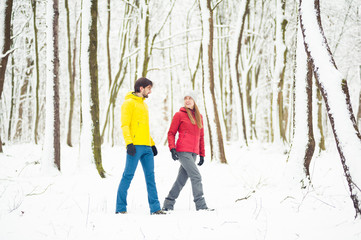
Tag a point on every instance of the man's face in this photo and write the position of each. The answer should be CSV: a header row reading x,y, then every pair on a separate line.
x,y
146,91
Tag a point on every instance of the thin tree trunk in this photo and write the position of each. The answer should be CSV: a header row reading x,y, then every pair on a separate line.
x,y
303,143
336,96
21,105
6,41
235,72
278,81
52,132
108,45
321,143
12,102
93,66
5,46
37,72
71,76
216,139
91,140
359,106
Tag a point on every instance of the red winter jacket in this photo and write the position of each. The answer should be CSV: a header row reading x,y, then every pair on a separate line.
x,y
190,138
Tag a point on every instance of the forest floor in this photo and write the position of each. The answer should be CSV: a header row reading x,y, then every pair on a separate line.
x,y
246,193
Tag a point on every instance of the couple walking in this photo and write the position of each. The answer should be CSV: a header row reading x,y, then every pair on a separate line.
x,y
187,122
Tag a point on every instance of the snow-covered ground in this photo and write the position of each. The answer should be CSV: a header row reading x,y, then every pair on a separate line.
x,y
80,205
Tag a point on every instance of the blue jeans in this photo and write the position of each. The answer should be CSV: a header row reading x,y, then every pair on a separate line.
x,y
145,155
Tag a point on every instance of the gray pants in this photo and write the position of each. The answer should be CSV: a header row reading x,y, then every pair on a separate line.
x,y
187,169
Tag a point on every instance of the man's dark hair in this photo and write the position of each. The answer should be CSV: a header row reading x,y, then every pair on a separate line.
x,y
142,82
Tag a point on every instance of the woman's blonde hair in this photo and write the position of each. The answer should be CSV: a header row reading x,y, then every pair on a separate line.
x,y
197,114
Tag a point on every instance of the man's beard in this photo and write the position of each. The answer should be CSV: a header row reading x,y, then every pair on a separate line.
x,y
145,96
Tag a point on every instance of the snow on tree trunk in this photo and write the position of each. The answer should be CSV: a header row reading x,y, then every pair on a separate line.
x,y
5,22
90,152
143,39
336,96
277,84
236,46
214,126
52,120
303,143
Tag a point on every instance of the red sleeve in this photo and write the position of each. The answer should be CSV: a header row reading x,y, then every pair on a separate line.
x,y
201,142
173,130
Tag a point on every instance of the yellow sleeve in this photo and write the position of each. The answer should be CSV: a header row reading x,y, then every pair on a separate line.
x,y
126,119
152,143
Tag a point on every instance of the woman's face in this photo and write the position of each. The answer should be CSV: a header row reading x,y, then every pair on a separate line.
x,y
188,102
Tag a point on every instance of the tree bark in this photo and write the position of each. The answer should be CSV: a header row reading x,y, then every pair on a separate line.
x,y
215,134
278,81
359,106
237,44
71,76
91,140
52,132
5,46
335,93
321,143
303,143
37,72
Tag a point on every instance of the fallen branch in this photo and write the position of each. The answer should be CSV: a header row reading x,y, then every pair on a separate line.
x,y
248,196
32,194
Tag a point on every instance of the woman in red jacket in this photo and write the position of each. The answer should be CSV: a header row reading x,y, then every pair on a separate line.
x,y
188,122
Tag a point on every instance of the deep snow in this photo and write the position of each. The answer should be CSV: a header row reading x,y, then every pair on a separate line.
x,y
78,204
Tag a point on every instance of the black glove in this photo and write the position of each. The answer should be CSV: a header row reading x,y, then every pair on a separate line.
x,y
154,149
174,154
131,149
201,161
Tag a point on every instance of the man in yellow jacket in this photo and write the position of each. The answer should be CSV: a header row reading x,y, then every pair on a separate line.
x,y
140,145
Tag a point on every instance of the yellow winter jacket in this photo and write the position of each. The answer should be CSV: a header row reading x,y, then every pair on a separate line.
x,y
135,121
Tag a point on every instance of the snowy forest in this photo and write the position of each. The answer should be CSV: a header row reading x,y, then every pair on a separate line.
x,y
276,79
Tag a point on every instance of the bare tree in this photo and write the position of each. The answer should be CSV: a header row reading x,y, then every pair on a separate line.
x,y
91,141
4,44
71,75
52,132
214,126
303,143
37,71
278,78
336,96
236,78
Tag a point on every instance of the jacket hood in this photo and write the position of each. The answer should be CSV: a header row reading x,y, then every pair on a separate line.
x,y
131,95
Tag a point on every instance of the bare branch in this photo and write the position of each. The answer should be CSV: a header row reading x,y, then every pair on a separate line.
x,y
216,5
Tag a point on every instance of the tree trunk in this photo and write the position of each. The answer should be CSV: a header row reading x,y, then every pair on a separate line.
x,y
336,96
71,76
52,124
215,134
237,43
278,80
12,102
4,45
303,143
91,148
37,72
5,41
321,143
20,127
359,106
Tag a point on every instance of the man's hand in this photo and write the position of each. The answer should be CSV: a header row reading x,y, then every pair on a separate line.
x,y
201,161
155,151
174,154
131,149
